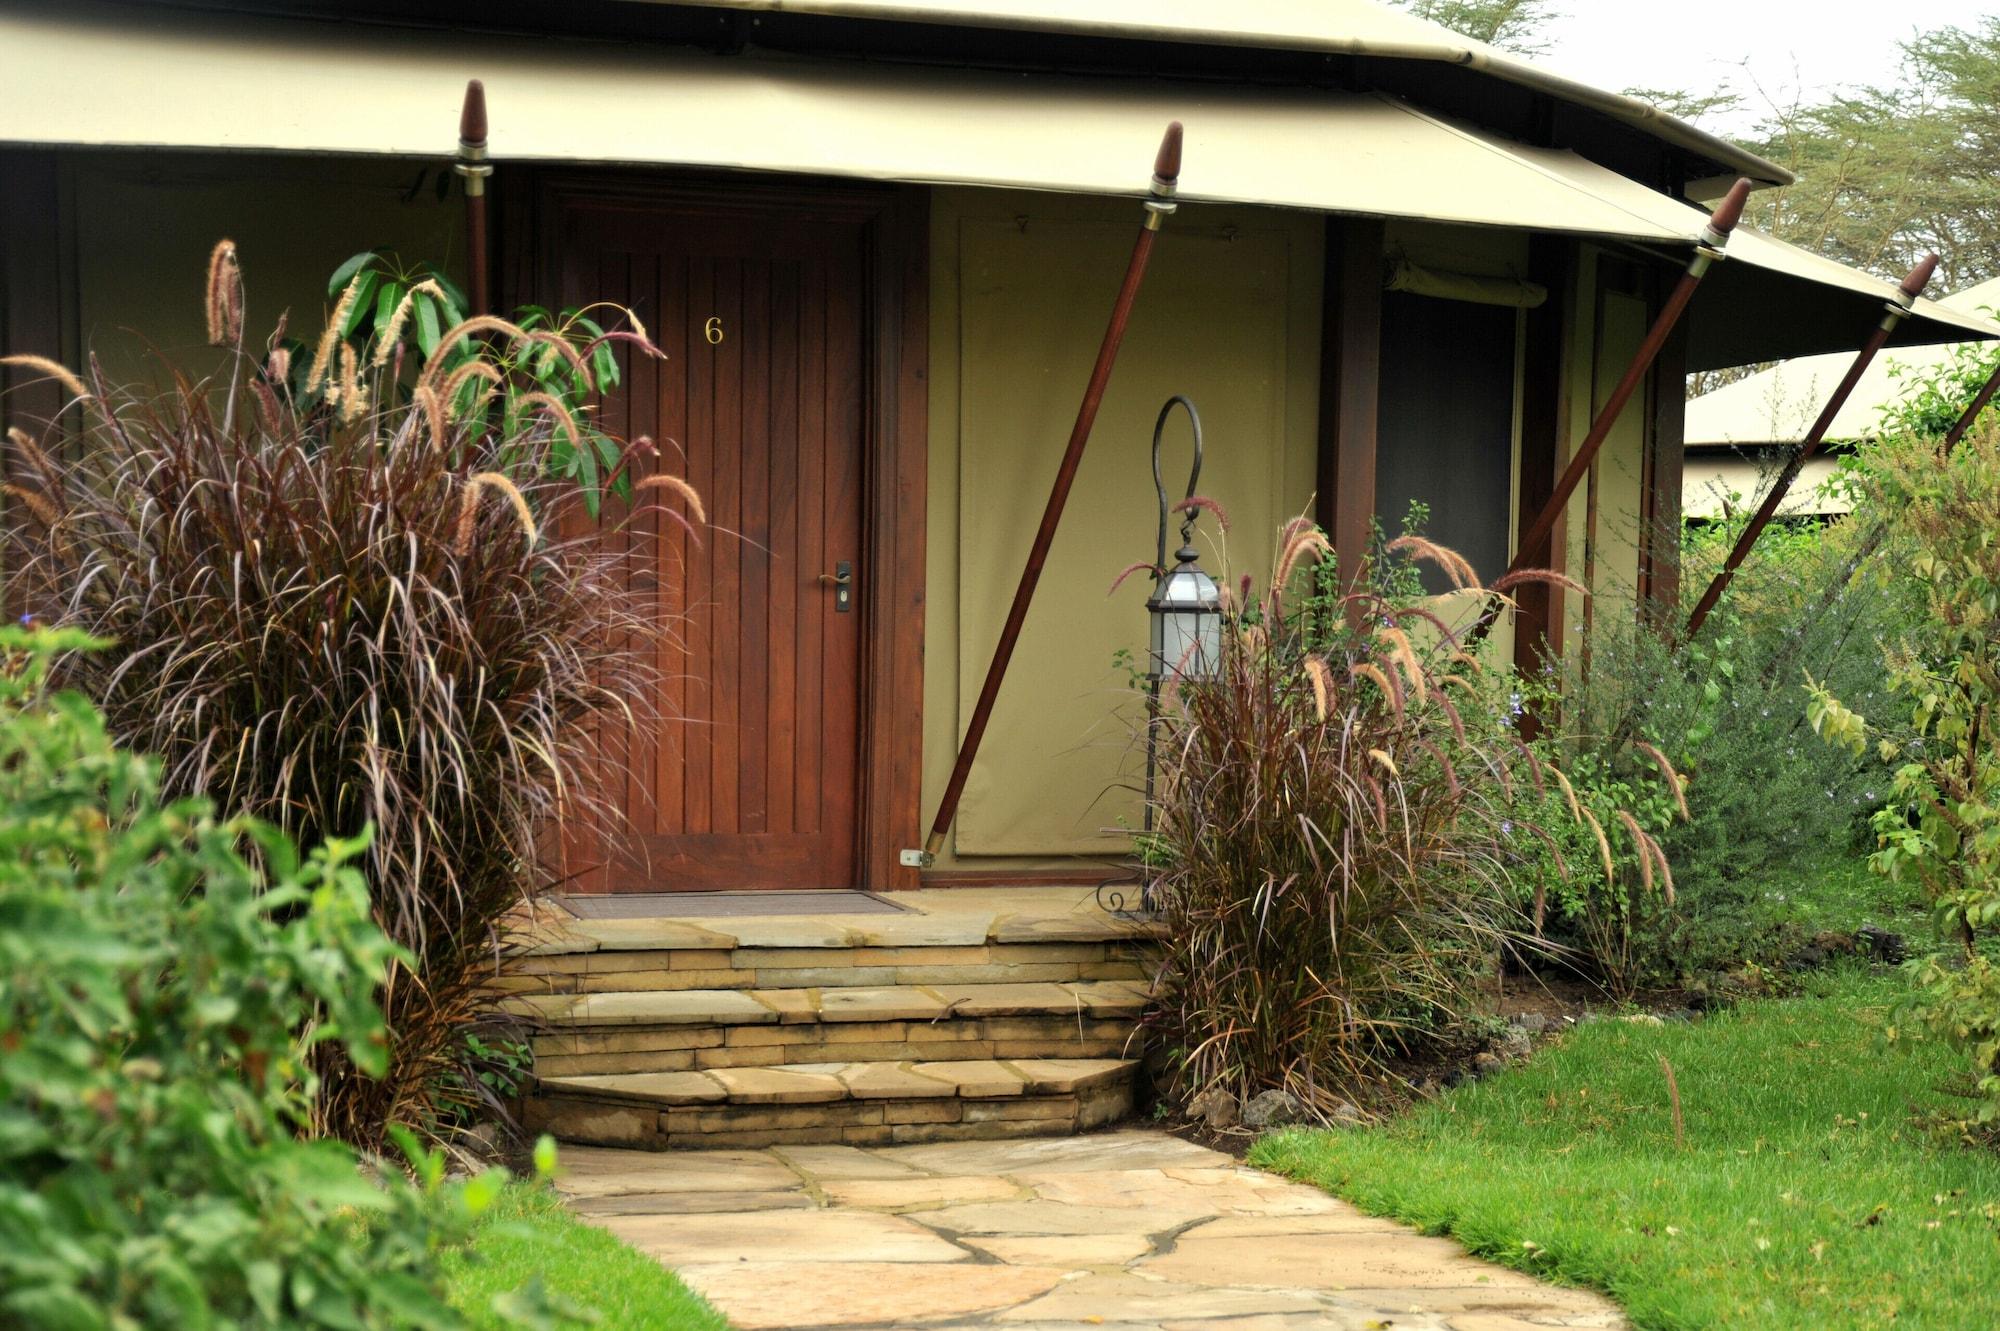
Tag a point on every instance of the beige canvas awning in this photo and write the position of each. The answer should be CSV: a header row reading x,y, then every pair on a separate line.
x,y
195,80
1337,27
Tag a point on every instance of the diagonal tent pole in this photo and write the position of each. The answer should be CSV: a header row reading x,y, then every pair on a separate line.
x,y
1533,549
1897,310
1878,528
472,165
1972,410
1166,175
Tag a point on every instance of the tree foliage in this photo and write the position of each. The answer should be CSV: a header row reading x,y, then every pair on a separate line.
x,y
1889,173
1511,25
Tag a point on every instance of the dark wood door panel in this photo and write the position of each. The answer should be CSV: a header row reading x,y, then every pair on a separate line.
x,y
750,776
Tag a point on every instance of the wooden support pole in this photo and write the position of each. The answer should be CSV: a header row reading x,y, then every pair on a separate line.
x,y
1893,314
1972,410
1350,390
1713,241
1166,175
474,168
1545,388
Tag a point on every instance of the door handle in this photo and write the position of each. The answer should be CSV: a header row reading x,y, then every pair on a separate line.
x,y
842,582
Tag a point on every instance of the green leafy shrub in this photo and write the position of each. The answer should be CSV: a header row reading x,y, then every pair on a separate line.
x,y
360,605
1728,708
387,311
1334,821
1940,825
157,1001
1599,904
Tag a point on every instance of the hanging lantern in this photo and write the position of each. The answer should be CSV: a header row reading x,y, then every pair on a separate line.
x,y
1186,611
1185,608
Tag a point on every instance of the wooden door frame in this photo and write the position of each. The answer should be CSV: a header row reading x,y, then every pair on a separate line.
x,y
895,221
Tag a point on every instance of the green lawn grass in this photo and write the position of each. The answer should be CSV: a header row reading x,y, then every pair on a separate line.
x,y
1806,1196
528,1234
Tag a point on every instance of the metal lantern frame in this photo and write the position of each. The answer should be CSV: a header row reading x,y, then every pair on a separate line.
x,y
1184,613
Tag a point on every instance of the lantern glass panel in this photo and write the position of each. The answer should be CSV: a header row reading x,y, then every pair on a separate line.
x,y
1186,625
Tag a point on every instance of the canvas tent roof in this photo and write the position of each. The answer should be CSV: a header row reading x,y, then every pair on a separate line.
x,y
197,80
1345,27
1779,404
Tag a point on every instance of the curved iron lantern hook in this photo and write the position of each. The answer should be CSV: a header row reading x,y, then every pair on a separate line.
x,y
1160,484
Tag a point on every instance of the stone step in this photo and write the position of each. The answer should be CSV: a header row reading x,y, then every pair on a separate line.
x,y
855,1103
621,970
693,1029
790,1007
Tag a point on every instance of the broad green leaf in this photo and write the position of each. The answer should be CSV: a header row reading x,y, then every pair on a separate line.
x,y
345,273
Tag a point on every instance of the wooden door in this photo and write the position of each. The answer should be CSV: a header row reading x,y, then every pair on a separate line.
x,y
749,777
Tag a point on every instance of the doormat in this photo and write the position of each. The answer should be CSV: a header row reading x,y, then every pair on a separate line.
x,y
689,905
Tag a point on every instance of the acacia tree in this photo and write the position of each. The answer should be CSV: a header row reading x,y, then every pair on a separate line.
x,y
1511,25
1889,173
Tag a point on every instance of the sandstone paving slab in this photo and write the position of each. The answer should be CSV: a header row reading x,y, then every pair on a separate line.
x,y
1110,998
880,1003
799,1236
665,1007
894,1081
667,1088
1132,1230
958,929
1066,1076
650,935
1343,1219
1537,1305
1040,1217
980,1079
1075,1251
1240,1192
1331,1319
1310,1261
905,1194
1131,1298
1130,1149
1081,926
1488,1321
594,1171
766,1296
785,930
1006,1000
800,1085
843,1162
793,1006
690,1203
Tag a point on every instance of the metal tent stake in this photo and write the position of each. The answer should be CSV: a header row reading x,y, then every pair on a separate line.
x,y
1166,175
472,165
1893,314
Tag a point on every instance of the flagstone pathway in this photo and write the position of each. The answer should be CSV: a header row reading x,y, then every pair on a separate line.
x,y
1129,1231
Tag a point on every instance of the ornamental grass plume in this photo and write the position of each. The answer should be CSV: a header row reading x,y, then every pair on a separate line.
x,y
1336,812
323,618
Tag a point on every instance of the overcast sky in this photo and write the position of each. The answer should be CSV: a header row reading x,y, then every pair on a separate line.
x,y
1789,45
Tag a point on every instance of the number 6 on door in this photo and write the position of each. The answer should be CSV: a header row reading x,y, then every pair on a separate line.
x,y
712,330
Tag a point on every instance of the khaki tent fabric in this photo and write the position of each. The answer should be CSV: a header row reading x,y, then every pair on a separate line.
x,y
1218,320
1347,27
197,80
191,81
